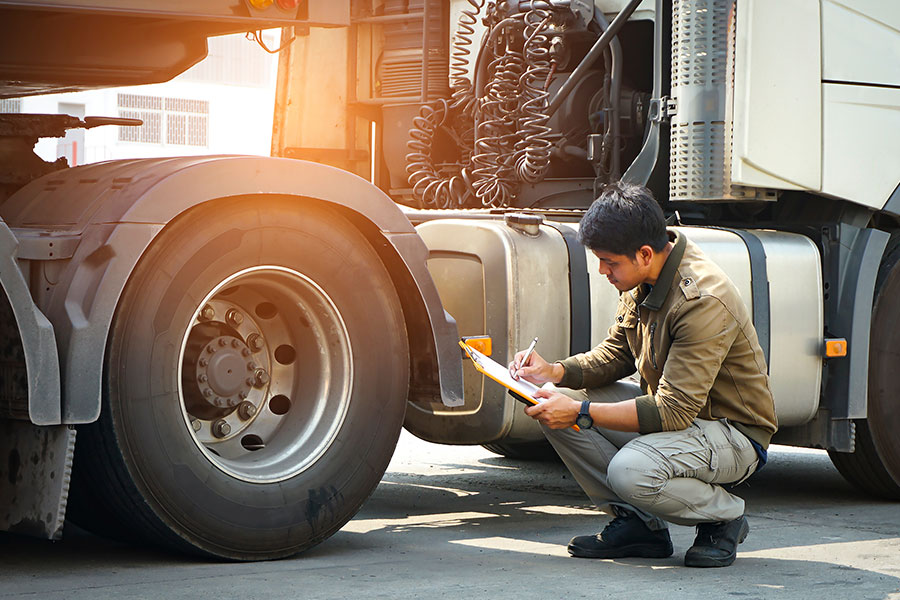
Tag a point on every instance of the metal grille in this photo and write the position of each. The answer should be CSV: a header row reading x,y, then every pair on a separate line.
x,y
175,129
178,121
189,106
11,105
197,130
140,102
702,72
400,71
700,41
696,161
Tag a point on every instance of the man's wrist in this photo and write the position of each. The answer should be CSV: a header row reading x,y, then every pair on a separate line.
x,y
576,406
558,373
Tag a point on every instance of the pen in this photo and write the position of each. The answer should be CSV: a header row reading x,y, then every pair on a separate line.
x,y
527,355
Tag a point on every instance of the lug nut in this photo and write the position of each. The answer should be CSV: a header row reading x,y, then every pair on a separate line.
x,y
223,342
203,378
234,317
243,395
211,349
255,341
203,362
246,410
196,424
245,352
207,313
221,428
261,377
235,343
250,381
251,366
208,393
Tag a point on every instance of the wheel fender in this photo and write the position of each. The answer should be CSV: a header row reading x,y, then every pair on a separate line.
x,y
118,208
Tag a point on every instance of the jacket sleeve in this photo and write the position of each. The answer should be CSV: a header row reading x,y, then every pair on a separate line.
x,y
609,361
702,335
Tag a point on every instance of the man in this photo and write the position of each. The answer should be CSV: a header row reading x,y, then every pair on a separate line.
x,y
706,414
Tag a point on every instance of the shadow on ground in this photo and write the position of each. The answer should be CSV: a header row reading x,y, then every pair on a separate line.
x,y
473,526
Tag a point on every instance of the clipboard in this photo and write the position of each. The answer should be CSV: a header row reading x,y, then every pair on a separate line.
x,y
521,390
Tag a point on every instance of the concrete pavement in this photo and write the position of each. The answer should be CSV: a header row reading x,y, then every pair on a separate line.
x,y
460,522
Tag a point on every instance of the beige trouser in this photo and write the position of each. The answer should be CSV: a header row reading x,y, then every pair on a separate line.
x,y
668,476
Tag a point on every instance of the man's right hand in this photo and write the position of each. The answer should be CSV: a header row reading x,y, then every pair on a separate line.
x,y
538,371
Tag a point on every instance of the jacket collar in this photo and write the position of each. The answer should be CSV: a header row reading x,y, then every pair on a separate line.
x,y
657,295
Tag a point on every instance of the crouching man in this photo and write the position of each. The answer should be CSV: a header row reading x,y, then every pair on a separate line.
x,y
704,414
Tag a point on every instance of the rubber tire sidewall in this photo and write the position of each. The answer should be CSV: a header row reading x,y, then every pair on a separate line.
x,y
866,466
204,507
883,410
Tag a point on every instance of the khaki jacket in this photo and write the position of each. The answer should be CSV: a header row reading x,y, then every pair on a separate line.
x,y
692,341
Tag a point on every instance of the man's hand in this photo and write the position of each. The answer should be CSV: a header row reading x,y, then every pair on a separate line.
x,y
558,411
538,371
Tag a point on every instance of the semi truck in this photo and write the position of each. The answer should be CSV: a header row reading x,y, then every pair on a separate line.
x,y
217,354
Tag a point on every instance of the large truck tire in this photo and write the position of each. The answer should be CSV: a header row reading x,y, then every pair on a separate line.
x,y
256,379
875,464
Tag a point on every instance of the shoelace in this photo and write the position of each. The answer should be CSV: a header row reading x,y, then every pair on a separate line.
x,y
709,532
617,521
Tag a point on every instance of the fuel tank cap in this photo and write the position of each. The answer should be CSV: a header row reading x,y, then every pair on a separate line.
x,y
527,223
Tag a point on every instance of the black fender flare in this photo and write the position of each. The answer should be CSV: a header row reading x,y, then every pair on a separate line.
x,y
118,208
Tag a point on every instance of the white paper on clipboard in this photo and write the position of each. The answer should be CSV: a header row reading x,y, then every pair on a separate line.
x,y
500,374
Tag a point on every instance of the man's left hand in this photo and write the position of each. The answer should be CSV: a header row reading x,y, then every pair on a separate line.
x,y
558,411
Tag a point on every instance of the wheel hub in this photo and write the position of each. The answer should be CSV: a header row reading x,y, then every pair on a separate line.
x,y
224,372
265,373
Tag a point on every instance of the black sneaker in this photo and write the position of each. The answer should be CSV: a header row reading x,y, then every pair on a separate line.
x,y
716,543
626,535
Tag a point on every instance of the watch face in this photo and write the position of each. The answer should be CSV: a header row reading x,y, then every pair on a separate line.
x,y
584,421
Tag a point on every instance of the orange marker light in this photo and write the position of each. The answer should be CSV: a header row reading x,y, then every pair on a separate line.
x,y
261,4
835,347
482,343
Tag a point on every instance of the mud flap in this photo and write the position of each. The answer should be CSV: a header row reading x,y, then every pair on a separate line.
x,y
35,470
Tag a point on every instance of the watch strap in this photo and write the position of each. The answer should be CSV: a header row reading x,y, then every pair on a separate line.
x,y
584,420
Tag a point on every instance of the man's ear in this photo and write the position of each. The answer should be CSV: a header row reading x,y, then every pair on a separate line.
x,y
644,255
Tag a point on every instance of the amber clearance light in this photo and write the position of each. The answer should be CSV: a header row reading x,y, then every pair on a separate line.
x,y
835,347
482,343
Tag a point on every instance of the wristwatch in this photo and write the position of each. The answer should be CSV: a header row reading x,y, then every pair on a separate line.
x,y
584,420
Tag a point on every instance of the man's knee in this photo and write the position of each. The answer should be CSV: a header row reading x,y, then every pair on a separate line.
x,y
636,477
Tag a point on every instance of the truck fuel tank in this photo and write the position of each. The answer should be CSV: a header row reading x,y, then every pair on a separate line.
x,y
508,282
514,282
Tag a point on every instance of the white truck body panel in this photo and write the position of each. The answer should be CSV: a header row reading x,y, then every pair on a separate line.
x,y
860,153
861,41
799,123
777,136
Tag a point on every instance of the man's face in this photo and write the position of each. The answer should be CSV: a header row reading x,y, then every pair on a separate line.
x,y
623,271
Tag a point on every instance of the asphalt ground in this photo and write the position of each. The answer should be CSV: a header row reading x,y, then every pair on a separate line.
x,y
461,522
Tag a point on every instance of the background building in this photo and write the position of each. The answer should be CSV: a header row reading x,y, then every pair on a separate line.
x,y
222,105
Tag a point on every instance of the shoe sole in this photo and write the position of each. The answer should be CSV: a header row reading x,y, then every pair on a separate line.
x,y
707,561
632,551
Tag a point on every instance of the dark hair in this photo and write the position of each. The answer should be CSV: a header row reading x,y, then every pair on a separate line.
x,y
624,218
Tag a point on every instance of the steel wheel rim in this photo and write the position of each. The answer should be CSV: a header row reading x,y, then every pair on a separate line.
x,y
271,338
